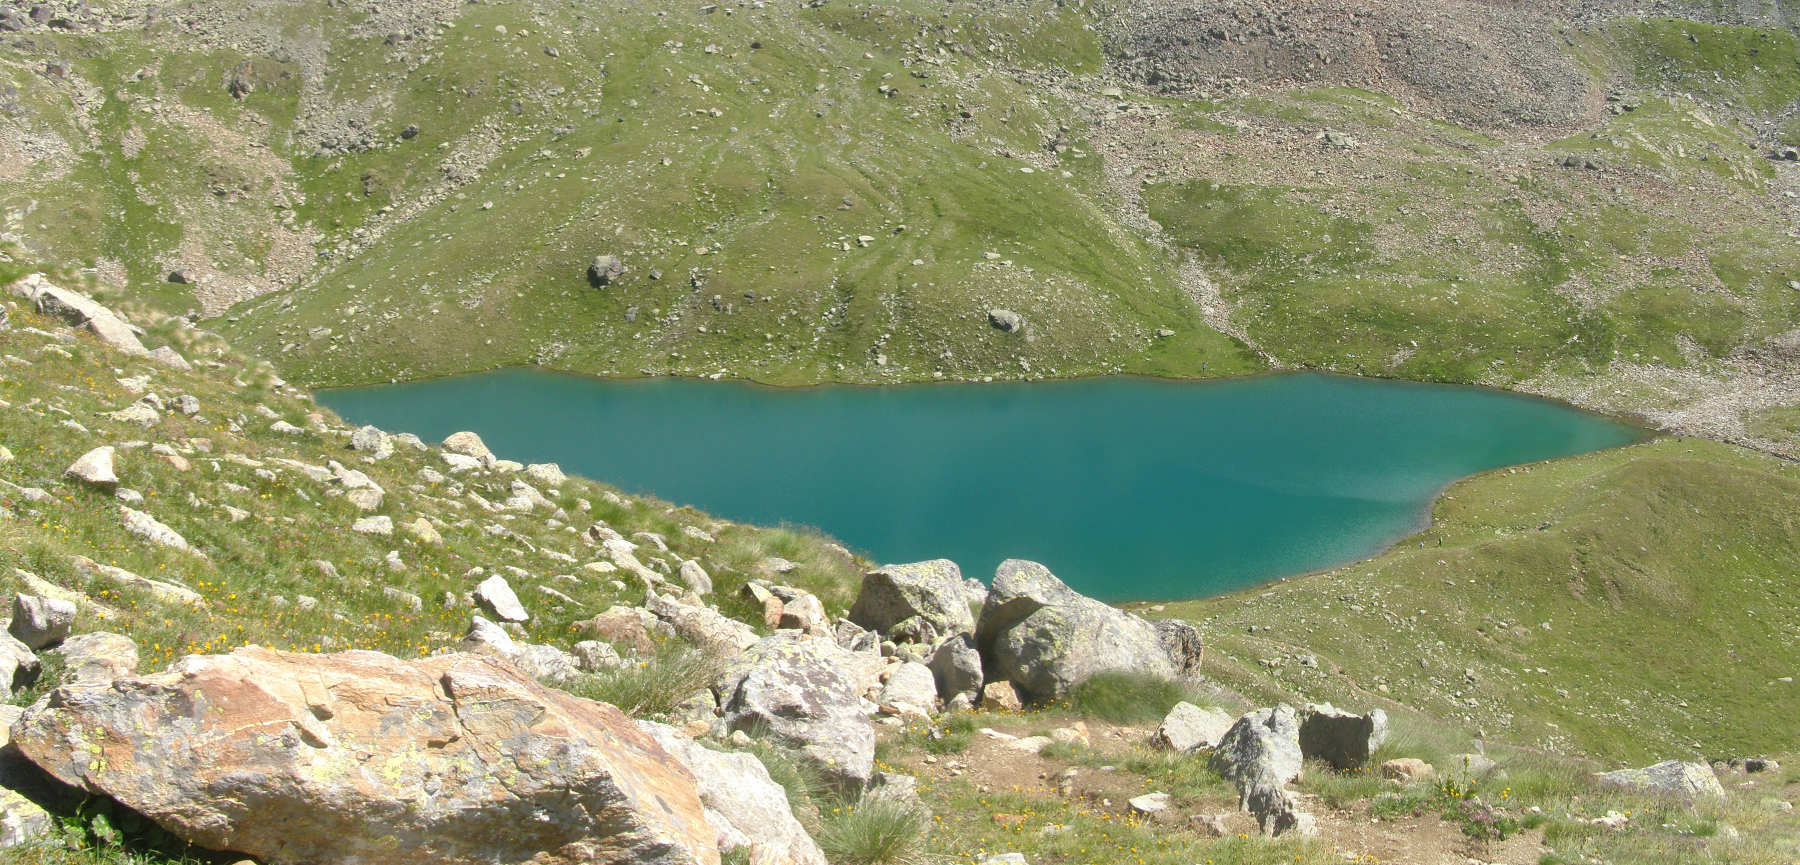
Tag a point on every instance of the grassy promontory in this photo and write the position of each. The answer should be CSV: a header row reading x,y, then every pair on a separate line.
x,y
1624,604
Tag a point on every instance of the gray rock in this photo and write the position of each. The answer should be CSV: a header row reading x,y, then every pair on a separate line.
x,y
695,577
1341,739
544,663
379,525
147,527
1260,754
604,269
1671,777
743,803
912,689
593,656
470,445
170,358
702,625
548,474
497,597
1006,320
956,665
1188,727
802,692
97,657
80,311
373,442
18,666
40,623
1181,642
1046,638
922,602
162,591
804,611
94,468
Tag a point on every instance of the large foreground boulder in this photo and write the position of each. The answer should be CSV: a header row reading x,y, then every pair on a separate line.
x,y
923,602
745,806
804,693
1671,778
1047,638
1261,754
359,757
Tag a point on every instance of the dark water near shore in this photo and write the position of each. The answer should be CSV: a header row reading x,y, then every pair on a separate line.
x,y
1129,489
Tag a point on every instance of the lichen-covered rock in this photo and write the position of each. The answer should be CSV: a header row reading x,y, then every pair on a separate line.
x,y
702,625
805,693
1047,638
922,602
99,656
745,806
695,577
455,759
1343,740
373,442
1188,727
1261,754
1671,778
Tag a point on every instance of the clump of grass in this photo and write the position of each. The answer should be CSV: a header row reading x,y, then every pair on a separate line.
x,y
949,734
874,831
654,686
1125,698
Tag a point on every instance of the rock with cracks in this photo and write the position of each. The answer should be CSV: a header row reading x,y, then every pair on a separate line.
x,y
802,692
456,760
1046,638
922,602
1260,754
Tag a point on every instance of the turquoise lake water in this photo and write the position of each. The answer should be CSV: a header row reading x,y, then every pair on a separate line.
x,y
1129,489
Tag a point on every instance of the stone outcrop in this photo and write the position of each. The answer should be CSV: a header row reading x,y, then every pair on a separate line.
x,y
804,693
1671,778
1260,754
702,625
455,759
81,312
1341,739
1046,638
922,602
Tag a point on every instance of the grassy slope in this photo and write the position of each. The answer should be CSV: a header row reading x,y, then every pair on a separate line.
x,y
1650,584
669,140
1430,251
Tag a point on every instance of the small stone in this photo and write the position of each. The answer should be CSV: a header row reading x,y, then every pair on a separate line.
x,y
1407,769
377,525
1001,697
1006,320
94,468
1150,804
497,596
41,622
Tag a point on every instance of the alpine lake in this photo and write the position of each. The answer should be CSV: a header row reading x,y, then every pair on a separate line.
x,y
1128,489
